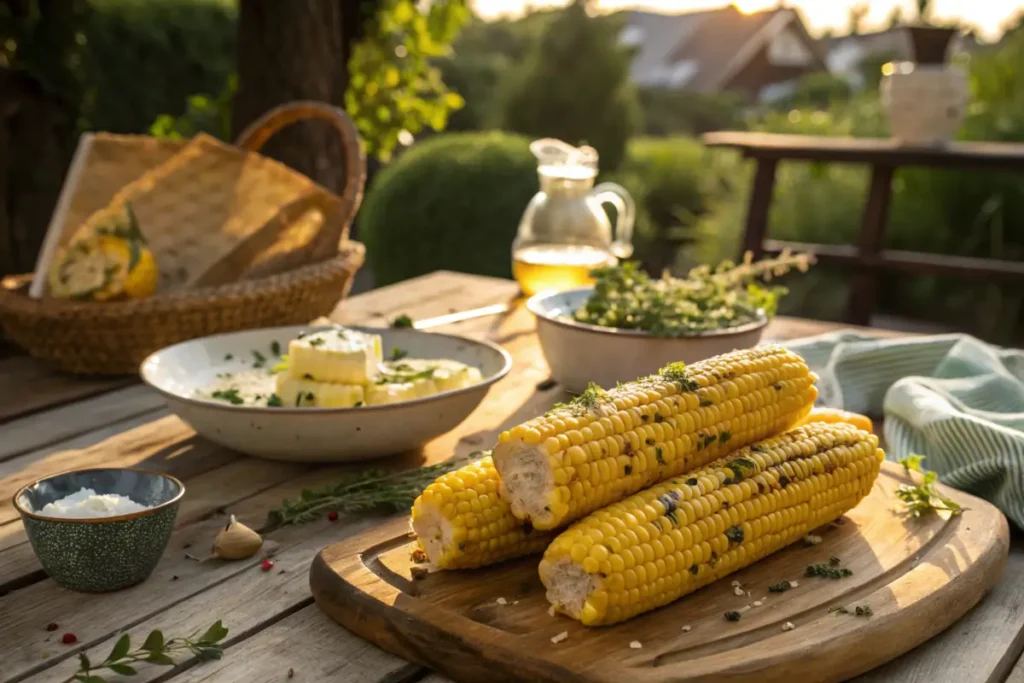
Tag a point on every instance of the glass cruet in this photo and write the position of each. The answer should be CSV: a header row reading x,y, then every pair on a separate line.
x,y
565,232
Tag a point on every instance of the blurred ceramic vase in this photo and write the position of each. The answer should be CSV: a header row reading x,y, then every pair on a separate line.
x,y
925,103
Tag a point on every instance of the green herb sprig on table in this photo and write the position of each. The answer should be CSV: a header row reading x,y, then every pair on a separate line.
x,y
725,296
923,497
373,490
155,650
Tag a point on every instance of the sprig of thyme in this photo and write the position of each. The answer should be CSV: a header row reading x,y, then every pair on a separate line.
x,y
369,491
155,650
923,497
708,298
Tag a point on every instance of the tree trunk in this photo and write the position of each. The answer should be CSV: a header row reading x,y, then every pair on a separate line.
x,y
297,50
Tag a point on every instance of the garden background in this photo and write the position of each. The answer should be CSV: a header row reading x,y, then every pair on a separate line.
x,y
448,103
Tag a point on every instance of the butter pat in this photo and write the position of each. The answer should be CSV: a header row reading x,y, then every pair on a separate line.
x,y
338,355
396,392
308,393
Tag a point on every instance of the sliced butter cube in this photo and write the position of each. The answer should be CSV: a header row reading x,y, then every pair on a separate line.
x,y
396,392
338,355
308,393
446,374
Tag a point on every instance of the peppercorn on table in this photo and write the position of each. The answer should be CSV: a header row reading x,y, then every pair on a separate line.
x,y
51,423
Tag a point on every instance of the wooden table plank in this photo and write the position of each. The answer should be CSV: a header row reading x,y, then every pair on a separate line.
x,y
27,385
52,426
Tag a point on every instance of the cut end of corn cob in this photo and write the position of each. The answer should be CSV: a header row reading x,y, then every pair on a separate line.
x,y
607,445
834,415
461,522
658,545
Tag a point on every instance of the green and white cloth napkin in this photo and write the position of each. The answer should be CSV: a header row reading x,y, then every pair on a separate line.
x,y
952,398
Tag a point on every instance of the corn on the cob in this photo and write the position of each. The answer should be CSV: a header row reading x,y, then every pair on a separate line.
x,y
462,523
607,445
834,415
670,540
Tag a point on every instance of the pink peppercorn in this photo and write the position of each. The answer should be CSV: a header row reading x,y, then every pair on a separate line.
x,y
69,638
266,565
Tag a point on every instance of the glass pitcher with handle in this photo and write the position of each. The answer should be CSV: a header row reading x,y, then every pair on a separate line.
x,y
564,232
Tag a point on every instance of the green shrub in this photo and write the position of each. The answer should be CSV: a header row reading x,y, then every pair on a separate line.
x,y
453,201
574,86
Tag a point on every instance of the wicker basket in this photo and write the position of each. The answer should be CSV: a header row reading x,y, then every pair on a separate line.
x,y
114,337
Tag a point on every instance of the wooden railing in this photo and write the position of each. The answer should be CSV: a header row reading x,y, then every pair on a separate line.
x,y
867,258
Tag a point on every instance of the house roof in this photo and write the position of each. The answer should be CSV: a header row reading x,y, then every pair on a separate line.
x,y
714,44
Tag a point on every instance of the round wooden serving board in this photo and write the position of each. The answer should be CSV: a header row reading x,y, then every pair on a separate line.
x,y
917,575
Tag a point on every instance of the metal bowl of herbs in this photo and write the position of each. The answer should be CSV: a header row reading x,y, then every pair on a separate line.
x,y
628,324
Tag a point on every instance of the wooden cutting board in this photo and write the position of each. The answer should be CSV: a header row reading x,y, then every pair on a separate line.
x,y
917,575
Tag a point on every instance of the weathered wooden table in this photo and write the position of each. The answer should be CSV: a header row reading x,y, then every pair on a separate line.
x,y
50,423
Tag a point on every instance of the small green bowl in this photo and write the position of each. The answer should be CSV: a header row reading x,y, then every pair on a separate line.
x,y
105,553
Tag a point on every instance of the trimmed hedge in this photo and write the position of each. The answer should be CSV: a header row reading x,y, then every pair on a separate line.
x,y
453,201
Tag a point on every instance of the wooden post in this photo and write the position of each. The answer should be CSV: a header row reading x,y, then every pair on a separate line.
x,y
864,283
760,203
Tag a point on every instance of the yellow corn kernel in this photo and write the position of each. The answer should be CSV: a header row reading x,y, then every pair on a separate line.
x,y
779,490
646,431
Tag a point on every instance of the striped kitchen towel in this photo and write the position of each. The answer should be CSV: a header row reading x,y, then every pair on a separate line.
x,y
952,398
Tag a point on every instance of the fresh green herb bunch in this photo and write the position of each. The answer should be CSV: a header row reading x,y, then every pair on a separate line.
x,y
373,490
155,650
923,497
707,299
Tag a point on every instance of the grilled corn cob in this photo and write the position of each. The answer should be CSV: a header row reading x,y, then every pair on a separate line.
x,y
462,523
670,540
607,445
834,415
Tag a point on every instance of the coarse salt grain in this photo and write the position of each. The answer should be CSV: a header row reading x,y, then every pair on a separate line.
x,y
738,590
501,601
87,504
788,626
635,645
758,603
793,584
811,539
686,629
735,584
551,611
560,637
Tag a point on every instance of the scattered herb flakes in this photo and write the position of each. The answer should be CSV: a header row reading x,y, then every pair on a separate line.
x,y
780,587
724,436
825,571
650,442
228,356
658,455
705,402
230,395
402,321
644,417
316,341
628,470
274,401
783,481
741,467
658,417
694,569
583,403
398,354
275,347
733,616
863,611
259,360
838,609
923,497
734,534
708,440
358,404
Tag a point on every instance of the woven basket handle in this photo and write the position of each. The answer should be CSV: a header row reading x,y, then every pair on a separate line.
x,y
265,127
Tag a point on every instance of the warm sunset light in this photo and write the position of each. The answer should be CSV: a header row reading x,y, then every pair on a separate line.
x,y
821,15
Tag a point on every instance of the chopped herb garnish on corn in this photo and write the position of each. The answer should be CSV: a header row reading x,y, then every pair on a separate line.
x,y
923,497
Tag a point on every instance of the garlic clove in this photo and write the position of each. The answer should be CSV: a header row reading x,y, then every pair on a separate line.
x,y
236,541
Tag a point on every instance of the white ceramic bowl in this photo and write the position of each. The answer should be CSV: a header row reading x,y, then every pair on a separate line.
x,y
578,353
318,434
